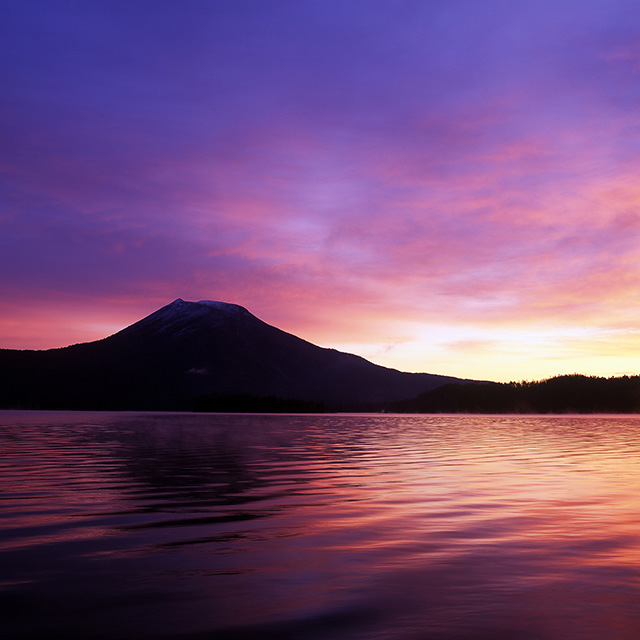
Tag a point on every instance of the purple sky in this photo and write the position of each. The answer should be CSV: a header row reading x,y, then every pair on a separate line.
x,y
441,186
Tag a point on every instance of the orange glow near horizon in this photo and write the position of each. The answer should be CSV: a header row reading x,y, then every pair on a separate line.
x,y
444,190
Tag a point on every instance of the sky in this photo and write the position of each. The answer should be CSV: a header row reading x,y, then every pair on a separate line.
x,y
446,186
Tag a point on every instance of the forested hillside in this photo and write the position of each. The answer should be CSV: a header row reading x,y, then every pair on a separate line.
x,y
561,394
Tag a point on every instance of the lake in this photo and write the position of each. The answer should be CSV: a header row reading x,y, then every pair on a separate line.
x,y
313,527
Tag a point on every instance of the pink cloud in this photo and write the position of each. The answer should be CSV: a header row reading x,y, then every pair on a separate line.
x,y
433,166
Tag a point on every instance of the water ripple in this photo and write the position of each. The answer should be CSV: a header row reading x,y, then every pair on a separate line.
x,y
329,526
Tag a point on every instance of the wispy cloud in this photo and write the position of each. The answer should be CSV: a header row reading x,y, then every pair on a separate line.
x,y
438,178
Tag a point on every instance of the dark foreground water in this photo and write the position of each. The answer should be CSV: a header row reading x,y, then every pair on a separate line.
x,y
319,527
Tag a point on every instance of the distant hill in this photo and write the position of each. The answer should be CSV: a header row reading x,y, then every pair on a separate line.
x,y
202,355
561,394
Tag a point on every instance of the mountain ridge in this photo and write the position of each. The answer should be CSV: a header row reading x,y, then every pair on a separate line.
x,y
187,351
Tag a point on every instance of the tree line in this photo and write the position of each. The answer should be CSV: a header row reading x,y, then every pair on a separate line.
x,y
561,394
249,403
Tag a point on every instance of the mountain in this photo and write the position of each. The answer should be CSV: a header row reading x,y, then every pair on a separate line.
x,y
192,355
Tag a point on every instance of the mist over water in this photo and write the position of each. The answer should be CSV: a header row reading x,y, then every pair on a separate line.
x,y
319,526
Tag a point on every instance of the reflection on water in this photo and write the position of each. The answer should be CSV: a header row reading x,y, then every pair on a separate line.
x,y
313,527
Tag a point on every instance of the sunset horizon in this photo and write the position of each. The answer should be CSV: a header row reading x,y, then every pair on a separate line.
x,y
448,187
115,330
319,319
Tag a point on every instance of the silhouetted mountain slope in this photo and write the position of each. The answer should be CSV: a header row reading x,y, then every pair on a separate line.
x,y
188,352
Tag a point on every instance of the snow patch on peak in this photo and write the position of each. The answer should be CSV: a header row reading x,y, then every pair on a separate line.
x,y
180,310
172,311
221,306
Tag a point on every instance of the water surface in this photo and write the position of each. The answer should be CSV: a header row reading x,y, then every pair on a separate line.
x,y
116,525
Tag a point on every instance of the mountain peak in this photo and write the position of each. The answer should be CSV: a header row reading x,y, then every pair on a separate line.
x,y
184,315
227,307
179,303
190,350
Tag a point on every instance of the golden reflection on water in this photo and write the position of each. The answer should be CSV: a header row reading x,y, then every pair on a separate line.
x,y
399,527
